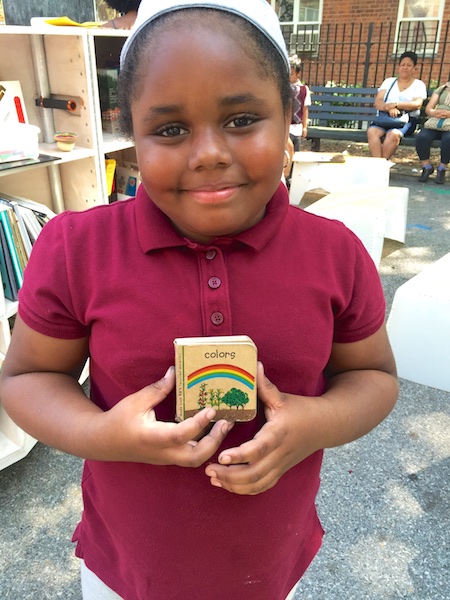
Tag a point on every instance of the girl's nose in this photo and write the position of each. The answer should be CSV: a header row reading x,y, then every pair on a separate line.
x,y
209,150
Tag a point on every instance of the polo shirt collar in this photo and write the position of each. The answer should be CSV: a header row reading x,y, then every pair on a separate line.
x,y
156,232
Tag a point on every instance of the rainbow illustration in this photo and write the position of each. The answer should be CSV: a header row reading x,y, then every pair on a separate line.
x,y
221,370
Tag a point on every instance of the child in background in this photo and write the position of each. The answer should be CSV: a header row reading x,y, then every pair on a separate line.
x,y
128,10
210,246
300,102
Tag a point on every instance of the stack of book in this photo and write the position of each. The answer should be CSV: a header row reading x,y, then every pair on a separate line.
x,y
21,221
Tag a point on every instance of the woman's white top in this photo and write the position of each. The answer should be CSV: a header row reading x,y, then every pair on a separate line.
x,y
417,89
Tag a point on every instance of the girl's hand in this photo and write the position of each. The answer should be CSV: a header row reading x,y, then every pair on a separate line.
x,y
137,436
284,440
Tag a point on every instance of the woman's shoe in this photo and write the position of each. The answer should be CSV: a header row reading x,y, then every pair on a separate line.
x,y
440,176
426,172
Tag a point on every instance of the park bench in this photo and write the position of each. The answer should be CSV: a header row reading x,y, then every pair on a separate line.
x,y
343,113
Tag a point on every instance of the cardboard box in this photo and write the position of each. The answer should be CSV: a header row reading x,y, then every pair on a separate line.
x,y
127,181
12,105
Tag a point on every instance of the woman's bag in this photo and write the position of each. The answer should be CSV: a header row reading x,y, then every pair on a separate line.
x,y
385,121
438,124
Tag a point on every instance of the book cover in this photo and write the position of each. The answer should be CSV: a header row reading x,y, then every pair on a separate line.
x,y
17,237
20,222
7,291
219,372
9,282
10,245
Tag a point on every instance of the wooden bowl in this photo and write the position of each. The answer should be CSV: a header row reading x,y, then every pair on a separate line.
x,y
65,140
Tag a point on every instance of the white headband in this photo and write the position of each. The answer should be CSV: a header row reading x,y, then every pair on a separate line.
x,y
257,12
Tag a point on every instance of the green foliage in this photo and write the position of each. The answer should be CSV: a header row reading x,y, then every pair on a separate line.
x,y
335,123
236,398
214,397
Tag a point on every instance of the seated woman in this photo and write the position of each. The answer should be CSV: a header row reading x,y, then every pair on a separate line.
x,y
128,10
396,95
439,107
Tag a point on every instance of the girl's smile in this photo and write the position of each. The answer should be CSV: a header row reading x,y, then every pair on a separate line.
x,y
210,142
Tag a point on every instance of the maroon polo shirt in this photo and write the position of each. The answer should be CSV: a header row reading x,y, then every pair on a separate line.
x,y
122,275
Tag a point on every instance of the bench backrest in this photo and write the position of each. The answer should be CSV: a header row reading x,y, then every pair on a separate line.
x,y
342,106
347,106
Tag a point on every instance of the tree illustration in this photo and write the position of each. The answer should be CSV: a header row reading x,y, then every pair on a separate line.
x,y
235,398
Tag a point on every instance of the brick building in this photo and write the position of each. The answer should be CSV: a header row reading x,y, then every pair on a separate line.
x,y
357,42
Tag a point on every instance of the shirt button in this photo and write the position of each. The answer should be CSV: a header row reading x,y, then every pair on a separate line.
x,y
217,318
210,254
214,282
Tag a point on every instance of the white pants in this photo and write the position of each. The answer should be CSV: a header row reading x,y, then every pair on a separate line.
x,y
93,588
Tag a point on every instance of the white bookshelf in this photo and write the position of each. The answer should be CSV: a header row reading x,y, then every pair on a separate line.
x,y
57,61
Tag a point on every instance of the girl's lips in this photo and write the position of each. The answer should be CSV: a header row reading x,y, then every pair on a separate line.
x,y
211,196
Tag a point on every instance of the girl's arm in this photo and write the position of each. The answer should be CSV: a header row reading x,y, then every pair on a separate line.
x,y
362,390
305,121
40,391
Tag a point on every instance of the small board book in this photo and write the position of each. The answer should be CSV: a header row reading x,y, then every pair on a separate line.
x,y
217,372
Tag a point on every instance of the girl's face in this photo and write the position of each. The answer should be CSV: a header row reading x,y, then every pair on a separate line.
x,y
210,142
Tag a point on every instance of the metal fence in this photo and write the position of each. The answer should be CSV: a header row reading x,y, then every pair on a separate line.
x,y
364,54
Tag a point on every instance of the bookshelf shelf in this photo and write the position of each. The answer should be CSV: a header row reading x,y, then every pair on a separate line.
x,y
57,61
113,144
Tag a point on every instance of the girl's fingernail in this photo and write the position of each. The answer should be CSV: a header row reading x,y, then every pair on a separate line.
x,y
168,372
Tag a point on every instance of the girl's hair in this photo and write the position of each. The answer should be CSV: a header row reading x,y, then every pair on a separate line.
x,y
296,63
123,6
270,63
412,55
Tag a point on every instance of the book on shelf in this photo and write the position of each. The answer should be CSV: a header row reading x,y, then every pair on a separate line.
x,y
27,245
21,221
217,372
9,282
10,248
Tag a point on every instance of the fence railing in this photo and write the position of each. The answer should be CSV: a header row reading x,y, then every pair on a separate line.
x,y
366,53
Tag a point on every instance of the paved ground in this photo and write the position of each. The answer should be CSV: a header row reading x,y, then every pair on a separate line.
x,y
384,502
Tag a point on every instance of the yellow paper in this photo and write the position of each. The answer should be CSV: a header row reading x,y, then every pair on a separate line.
x,y
110,165
66,22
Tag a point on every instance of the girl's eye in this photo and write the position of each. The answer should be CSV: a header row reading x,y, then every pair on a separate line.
x,y
242,121
171,131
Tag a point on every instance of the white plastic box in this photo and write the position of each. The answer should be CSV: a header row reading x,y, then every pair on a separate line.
x,y
18,141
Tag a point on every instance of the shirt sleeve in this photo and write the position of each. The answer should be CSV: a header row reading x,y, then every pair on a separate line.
x,y
386,84
45,299
421,90
308,96
364,311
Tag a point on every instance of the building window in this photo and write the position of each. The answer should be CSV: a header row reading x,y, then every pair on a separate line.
x,y
300,22
419,25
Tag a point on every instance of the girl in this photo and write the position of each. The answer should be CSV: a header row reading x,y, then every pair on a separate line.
x,y
301,100
210,246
